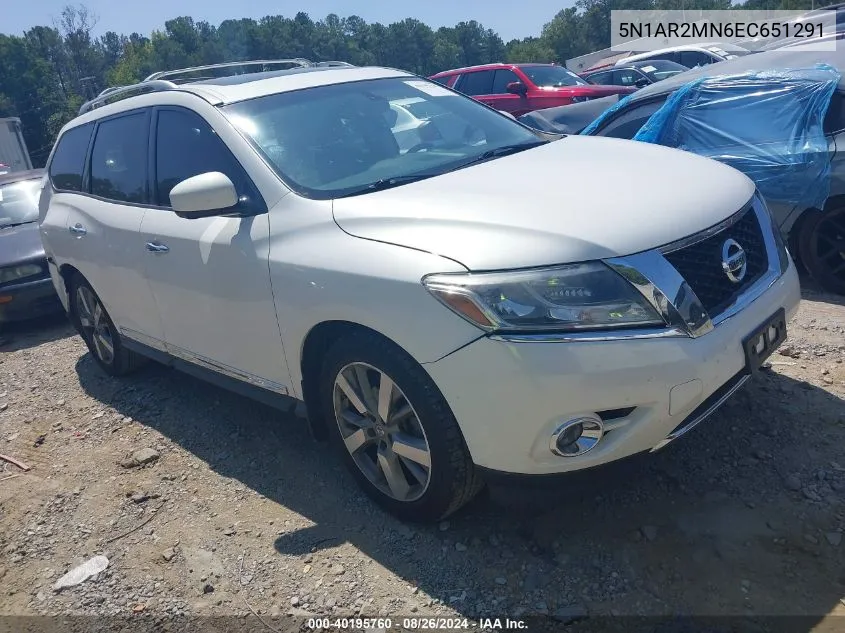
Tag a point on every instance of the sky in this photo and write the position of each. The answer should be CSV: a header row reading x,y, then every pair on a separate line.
x,y
509,19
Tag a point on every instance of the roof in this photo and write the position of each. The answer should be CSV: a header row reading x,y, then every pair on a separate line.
x,y
712,47
793,57
231,89
250,86
18,176
492,66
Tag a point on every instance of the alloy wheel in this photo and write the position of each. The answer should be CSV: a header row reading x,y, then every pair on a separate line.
x,y
95,324
382,432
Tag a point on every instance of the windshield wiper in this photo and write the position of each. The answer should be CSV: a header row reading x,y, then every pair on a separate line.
x,y
387,183
13,224
498,152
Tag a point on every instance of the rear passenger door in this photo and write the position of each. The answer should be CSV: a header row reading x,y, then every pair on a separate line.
x,y
210,276
477,84
104,220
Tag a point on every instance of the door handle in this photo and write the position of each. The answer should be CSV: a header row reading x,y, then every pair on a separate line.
x,y
155,247
78,229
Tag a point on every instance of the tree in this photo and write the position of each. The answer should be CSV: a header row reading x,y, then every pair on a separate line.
x,y
48,71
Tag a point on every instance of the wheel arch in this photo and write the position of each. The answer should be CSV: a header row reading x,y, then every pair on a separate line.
x,y
312,351
67,272
794,233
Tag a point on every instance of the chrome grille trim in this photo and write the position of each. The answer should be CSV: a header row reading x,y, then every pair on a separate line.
x,y
707,233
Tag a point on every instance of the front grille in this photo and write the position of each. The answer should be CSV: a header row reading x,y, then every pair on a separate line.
x,y
700,263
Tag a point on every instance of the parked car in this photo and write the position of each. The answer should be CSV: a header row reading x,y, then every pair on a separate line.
x,y
14,155
690,56
569,119
521,88
265,232
635,74
816,236
26,290
831,28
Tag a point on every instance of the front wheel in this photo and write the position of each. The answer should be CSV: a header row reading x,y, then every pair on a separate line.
x,y
395,430
822,248
98,331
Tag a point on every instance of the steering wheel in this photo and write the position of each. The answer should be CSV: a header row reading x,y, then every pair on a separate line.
x,y
419,147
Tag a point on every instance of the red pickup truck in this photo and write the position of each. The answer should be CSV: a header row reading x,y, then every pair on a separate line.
x,y
521,88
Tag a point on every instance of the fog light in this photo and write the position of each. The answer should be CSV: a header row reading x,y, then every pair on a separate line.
x,y
6,299
576,437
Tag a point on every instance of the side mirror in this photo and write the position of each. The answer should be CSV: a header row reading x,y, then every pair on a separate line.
x,y
516,88
642,83
203,196
507,114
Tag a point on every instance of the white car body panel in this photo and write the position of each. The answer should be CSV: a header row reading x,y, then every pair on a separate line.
x,y
566,208
212,290
322,274
111,258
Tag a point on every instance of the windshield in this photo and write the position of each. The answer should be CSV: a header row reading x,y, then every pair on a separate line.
x,y
19,202
659,69
338,140
552,76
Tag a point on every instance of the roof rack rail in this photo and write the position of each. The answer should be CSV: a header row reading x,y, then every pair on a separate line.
x,y
168,79
122,92
334,63
171,74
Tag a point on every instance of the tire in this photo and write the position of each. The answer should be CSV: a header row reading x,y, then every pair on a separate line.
x,y
821,237
420,423
96,328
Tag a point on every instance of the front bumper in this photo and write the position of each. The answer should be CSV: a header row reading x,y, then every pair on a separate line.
x,y
509,397
28,300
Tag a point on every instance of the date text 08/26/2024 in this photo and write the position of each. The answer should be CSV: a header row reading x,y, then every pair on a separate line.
x,y
415,623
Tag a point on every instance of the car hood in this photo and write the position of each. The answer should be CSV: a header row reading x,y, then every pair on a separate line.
x,y
20,243
576,199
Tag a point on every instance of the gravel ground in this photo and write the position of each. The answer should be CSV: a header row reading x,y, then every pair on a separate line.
x,y
241,512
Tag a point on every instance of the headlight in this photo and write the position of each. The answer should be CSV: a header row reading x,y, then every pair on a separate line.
x,y
19,272
587,296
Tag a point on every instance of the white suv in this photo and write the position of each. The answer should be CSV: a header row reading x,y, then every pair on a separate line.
x,y
481,302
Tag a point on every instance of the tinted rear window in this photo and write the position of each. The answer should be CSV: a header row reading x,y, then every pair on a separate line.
x,y
119,159
69,158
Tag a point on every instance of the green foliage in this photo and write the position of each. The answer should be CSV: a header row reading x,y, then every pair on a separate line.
x,y
49,71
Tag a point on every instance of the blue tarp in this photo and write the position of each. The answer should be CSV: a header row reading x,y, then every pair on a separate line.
x,y
767,124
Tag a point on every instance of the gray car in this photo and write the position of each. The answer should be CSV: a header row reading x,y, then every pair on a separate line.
x,y
26,290
816,236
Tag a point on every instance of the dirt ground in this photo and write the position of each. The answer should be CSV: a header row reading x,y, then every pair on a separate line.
x,y
241,512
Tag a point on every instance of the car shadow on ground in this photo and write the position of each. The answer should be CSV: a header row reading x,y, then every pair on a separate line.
x,y
25,334
742,505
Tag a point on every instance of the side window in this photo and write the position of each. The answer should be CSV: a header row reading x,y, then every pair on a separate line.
x,y
119,159
501,80
691,59
69,158
626,77
476,83
601,78
627,125
186,146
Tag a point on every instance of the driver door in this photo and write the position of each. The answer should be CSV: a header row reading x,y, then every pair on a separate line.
x,y
210,276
